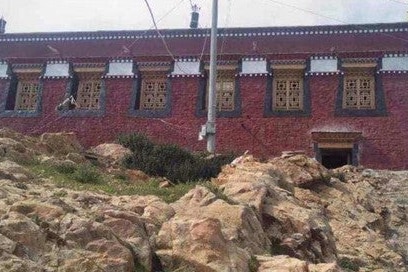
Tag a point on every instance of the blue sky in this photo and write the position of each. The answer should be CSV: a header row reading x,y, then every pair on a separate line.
x,y
90,15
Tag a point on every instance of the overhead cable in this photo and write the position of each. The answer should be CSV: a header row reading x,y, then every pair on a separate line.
x,y
331,18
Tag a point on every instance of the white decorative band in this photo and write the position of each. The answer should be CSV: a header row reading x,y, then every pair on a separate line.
x,y
185,75
392,72
322,57
233,33
253,74
57,62
253,59
119,76
187,60
120,60
55,77
323,73
396,55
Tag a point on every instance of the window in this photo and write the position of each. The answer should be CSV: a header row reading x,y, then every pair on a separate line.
x,y
85,91
359,90
288,90
153,91
225,91
28,87
89,91
23,91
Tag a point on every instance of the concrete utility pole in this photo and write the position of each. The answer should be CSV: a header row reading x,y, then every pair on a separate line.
x,y
212,103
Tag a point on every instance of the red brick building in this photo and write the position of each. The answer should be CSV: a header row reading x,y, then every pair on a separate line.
x,y
338,92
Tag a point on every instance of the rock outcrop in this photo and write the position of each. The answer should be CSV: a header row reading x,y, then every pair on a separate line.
x,y
286,214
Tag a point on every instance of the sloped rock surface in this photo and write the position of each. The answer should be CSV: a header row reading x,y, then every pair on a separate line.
x,y
211,234
77,232
292,227
286,214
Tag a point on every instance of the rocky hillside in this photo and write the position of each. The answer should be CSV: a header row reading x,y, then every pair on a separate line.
x,y
286,214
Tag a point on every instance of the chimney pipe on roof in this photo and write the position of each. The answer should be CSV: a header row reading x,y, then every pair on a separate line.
x,y
194,16
2,25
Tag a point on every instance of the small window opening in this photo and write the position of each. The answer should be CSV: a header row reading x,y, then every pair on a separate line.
x,y
334,158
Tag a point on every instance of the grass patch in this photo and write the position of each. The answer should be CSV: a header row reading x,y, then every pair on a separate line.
x,y
65,168
87,174
91,179
218,192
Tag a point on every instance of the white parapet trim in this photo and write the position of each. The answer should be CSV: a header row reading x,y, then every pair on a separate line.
x,y
186,67
254,66
56,69
395,63
323,65
120,68
4,69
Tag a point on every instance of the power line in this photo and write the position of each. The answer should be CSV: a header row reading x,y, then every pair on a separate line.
x,y
307,11
204,44
227,19
162,37
160,19
400,2
331,18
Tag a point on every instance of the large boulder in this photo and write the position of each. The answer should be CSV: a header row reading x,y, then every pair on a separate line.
x,y
293,228
210,235
110,153
61,143
14,150
13,171
300,170
281,263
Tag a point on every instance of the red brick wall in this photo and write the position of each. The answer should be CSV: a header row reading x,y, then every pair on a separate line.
x,y
384,144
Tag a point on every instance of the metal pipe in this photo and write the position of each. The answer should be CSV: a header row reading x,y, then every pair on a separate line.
x,y
212,82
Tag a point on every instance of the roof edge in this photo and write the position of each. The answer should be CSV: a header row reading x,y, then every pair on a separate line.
x,y
236,31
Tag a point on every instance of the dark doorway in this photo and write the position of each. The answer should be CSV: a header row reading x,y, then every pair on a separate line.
x,y
334,158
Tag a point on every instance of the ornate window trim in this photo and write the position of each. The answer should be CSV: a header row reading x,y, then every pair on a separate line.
x,y
359,90
160,89
361,70
226,74
288,72
337,140
18,88
83,74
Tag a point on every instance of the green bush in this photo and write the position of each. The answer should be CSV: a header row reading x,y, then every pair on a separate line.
x,y
65,168
169,160
87,174
349,264
253,264
136,142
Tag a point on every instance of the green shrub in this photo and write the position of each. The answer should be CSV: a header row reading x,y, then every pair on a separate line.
x,y
169,160
136,142
349,264
65,168
87,174
253,264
